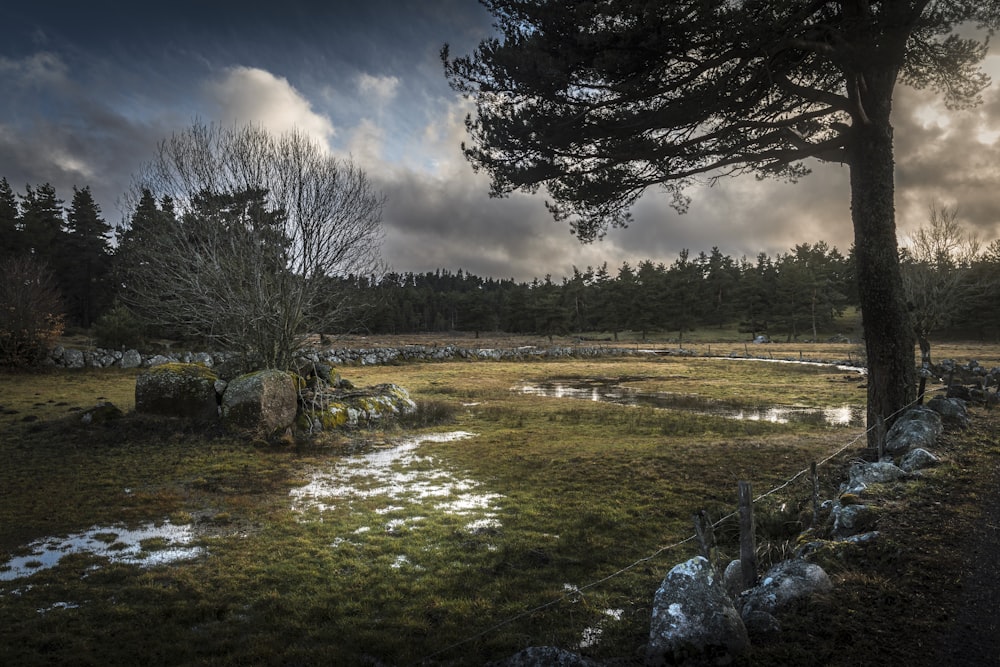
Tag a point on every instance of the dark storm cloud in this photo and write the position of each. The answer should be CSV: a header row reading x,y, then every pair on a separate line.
x,y
91,88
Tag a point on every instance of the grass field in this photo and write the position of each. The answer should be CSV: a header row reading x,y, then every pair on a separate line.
x,y
480,537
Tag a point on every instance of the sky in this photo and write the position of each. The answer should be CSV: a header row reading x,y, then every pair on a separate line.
x,y
87,90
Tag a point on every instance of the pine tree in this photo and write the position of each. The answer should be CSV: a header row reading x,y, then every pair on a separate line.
x,y
10,236
42,225
85,270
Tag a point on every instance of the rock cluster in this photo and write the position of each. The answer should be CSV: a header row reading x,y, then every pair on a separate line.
x,y
264,402
699,618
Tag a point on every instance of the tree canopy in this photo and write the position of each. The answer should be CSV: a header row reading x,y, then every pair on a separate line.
x,y
251,235
600,101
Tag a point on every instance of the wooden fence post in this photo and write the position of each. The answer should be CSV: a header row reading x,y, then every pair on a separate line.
x,y
748,544
706,536
815,490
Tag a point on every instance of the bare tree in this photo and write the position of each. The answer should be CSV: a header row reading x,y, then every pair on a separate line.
x,y
936,260
255,233
31,316
936,263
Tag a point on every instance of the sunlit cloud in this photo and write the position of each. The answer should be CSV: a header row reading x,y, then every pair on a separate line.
x,y
253,95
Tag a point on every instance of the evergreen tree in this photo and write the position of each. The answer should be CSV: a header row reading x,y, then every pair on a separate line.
x,y
598,102
85,269
42,225
10,233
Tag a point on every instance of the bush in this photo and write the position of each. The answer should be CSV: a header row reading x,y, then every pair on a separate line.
x,y
118,328
31,318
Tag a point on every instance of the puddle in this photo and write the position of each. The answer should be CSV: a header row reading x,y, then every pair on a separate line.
x,y
402,479
116,543
614,391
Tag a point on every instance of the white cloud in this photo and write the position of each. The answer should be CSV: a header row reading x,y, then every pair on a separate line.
x,y
377,90
365,146
252,95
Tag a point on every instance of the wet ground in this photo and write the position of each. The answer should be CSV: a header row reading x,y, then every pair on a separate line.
x,y
616,390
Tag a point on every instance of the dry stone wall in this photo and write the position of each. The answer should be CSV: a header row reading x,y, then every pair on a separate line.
x,y
101,358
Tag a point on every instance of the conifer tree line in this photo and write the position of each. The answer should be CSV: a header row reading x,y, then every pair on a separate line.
x,y
796,295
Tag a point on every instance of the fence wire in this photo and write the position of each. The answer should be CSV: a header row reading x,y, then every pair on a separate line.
x,y
579,589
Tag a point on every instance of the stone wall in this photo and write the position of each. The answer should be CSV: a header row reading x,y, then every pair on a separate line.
x,y
101,358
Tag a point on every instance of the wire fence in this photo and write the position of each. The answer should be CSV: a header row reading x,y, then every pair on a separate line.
x,y
659,552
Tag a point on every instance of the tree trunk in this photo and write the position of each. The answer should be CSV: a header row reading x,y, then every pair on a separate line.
x,y
889,335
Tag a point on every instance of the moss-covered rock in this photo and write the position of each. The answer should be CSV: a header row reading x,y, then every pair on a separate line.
x,y
338,407
264,402
179,390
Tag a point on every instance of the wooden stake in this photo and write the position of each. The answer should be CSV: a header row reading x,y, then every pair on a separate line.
x,y
748,544
815,481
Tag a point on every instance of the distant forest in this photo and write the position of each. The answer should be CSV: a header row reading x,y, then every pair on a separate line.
x,y
795,295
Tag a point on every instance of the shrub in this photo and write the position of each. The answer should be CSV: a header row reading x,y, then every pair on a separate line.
x,y
118,328
31,318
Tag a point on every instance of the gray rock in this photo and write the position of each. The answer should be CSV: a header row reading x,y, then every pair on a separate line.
x,y
863,538
952,410
545,656
783,583
101,413
131,359
157,360
264,402
852,519
732,578
694,619
177,390
918,459
73,359
918,427
762,626
203,358
861,475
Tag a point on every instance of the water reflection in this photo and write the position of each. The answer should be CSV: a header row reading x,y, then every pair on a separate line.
x,y
613,391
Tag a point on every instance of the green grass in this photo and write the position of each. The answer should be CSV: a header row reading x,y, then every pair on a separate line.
x,y
580,490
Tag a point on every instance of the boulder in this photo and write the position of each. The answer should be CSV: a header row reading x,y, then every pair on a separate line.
x,y
73,359
918,459
952,410
101,413
265,401
203,358
131,359
762,626
732,578
918,427
545,656
860,475
338,407
787,581
177,390
852,519
694,620
158,360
